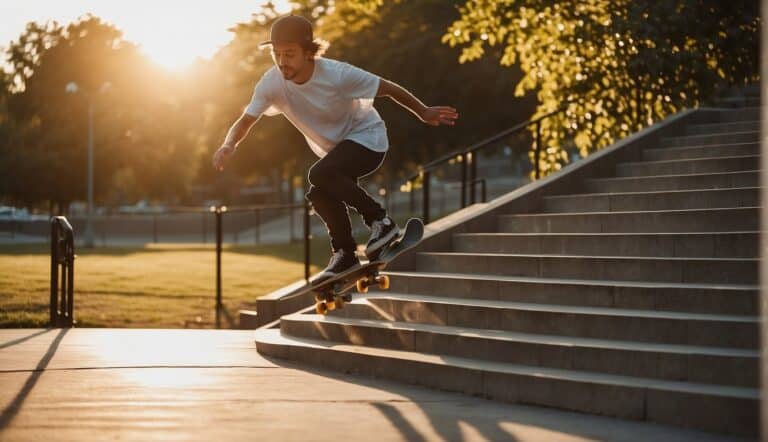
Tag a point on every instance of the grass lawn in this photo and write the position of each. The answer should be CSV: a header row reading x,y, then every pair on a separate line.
x,y
159,285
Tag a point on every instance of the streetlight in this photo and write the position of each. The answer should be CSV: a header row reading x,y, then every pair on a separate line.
x,y
72,88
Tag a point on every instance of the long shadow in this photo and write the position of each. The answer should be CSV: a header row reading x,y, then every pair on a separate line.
x,y
444,422
13,408
446,415
406,429
25,338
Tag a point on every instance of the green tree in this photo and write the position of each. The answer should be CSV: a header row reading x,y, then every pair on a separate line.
x,y
139,120
616,65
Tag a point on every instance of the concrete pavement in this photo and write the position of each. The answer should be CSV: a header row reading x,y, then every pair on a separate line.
x,y
131,384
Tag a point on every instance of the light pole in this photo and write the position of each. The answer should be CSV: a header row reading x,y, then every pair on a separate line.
x,y
72,88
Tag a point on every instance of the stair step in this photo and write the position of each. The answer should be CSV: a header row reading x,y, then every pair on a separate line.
x,y
649,201
698,329
712,245
707,139
669,221
691,152
644,295
689,166
708,407
738,101
738,115
714,128
617,268
670,362
725,180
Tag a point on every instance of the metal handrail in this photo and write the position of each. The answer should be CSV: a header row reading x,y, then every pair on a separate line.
x,y
62,271
466,156
479,145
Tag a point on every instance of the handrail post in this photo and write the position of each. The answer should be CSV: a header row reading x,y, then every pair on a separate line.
x,y
307,242
425,202
463,158
472,176
537,156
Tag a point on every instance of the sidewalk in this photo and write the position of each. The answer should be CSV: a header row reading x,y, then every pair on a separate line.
x,y
132,384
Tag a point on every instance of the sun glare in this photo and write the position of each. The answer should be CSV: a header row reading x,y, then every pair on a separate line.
x,y
169,32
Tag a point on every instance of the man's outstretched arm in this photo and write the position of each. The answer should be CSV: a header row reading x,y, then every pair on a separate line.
x,y
236,133
433,115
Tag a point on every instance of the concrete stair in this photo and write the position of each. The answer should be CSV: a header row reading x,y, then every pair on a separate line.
x,y
632,293
725,180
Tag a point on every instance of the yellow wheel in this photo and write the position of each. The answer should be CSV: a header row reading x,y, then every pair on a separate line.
x,y
321,308
362,285
384,282
331,305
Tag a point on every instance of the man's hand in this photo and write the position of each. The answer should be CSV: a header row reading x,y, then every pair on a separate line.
x,y
438,115
221,157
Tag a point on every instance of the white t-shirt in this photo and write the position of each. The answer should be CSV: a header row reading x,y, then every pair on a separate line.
x,y
336,104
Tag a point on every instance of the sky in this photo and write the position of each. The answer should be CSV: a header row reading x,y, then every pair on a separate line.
x,y
171,32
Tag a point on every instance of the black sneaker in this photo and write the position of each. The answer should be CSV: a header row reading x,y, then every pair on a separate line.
x,y
341,261
383,232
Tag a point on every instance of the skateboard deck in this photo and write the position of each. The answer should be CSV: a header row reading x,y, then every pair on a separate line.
x,y
333,293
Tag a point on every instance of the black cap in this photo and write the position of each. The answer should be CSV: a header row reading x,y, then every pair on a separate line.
x,y
290,29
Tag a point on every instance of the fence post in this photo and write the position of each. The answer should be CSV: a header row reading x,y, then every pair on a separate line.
x,y
205,227
411,201
257,230
218,211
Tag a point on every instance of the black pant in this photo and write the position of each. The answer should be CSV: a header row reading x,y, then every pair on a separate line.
x,y
334,186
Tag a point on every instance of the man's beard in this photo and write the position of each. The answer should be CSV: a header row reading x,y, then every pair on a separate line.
x,y
288,73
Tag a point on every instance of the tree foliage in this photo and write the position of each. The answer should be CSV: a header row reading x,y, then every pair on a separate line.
x,y
139,118
615,65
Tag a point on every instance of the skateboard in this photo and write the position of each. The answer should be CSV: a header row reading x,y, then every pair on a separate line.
x,y
333,293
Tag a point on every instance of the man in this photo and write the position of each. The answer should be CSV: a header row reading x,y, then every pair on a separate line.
x,y
331,103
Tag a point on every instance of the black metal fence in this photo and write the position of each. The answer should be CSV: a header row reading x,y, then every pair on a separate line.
x,y
62,304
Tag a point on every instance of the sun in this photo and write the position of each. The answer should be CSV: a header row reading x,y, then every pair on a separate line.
x,y
175,47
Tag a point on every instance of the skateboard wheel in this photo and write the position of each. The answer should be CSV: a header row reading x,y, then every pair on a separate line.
x,y
362,285
384,282
321,308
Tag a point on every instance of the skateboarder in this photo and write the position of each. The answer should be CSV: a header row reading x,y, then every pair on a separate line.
x,y
331,103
